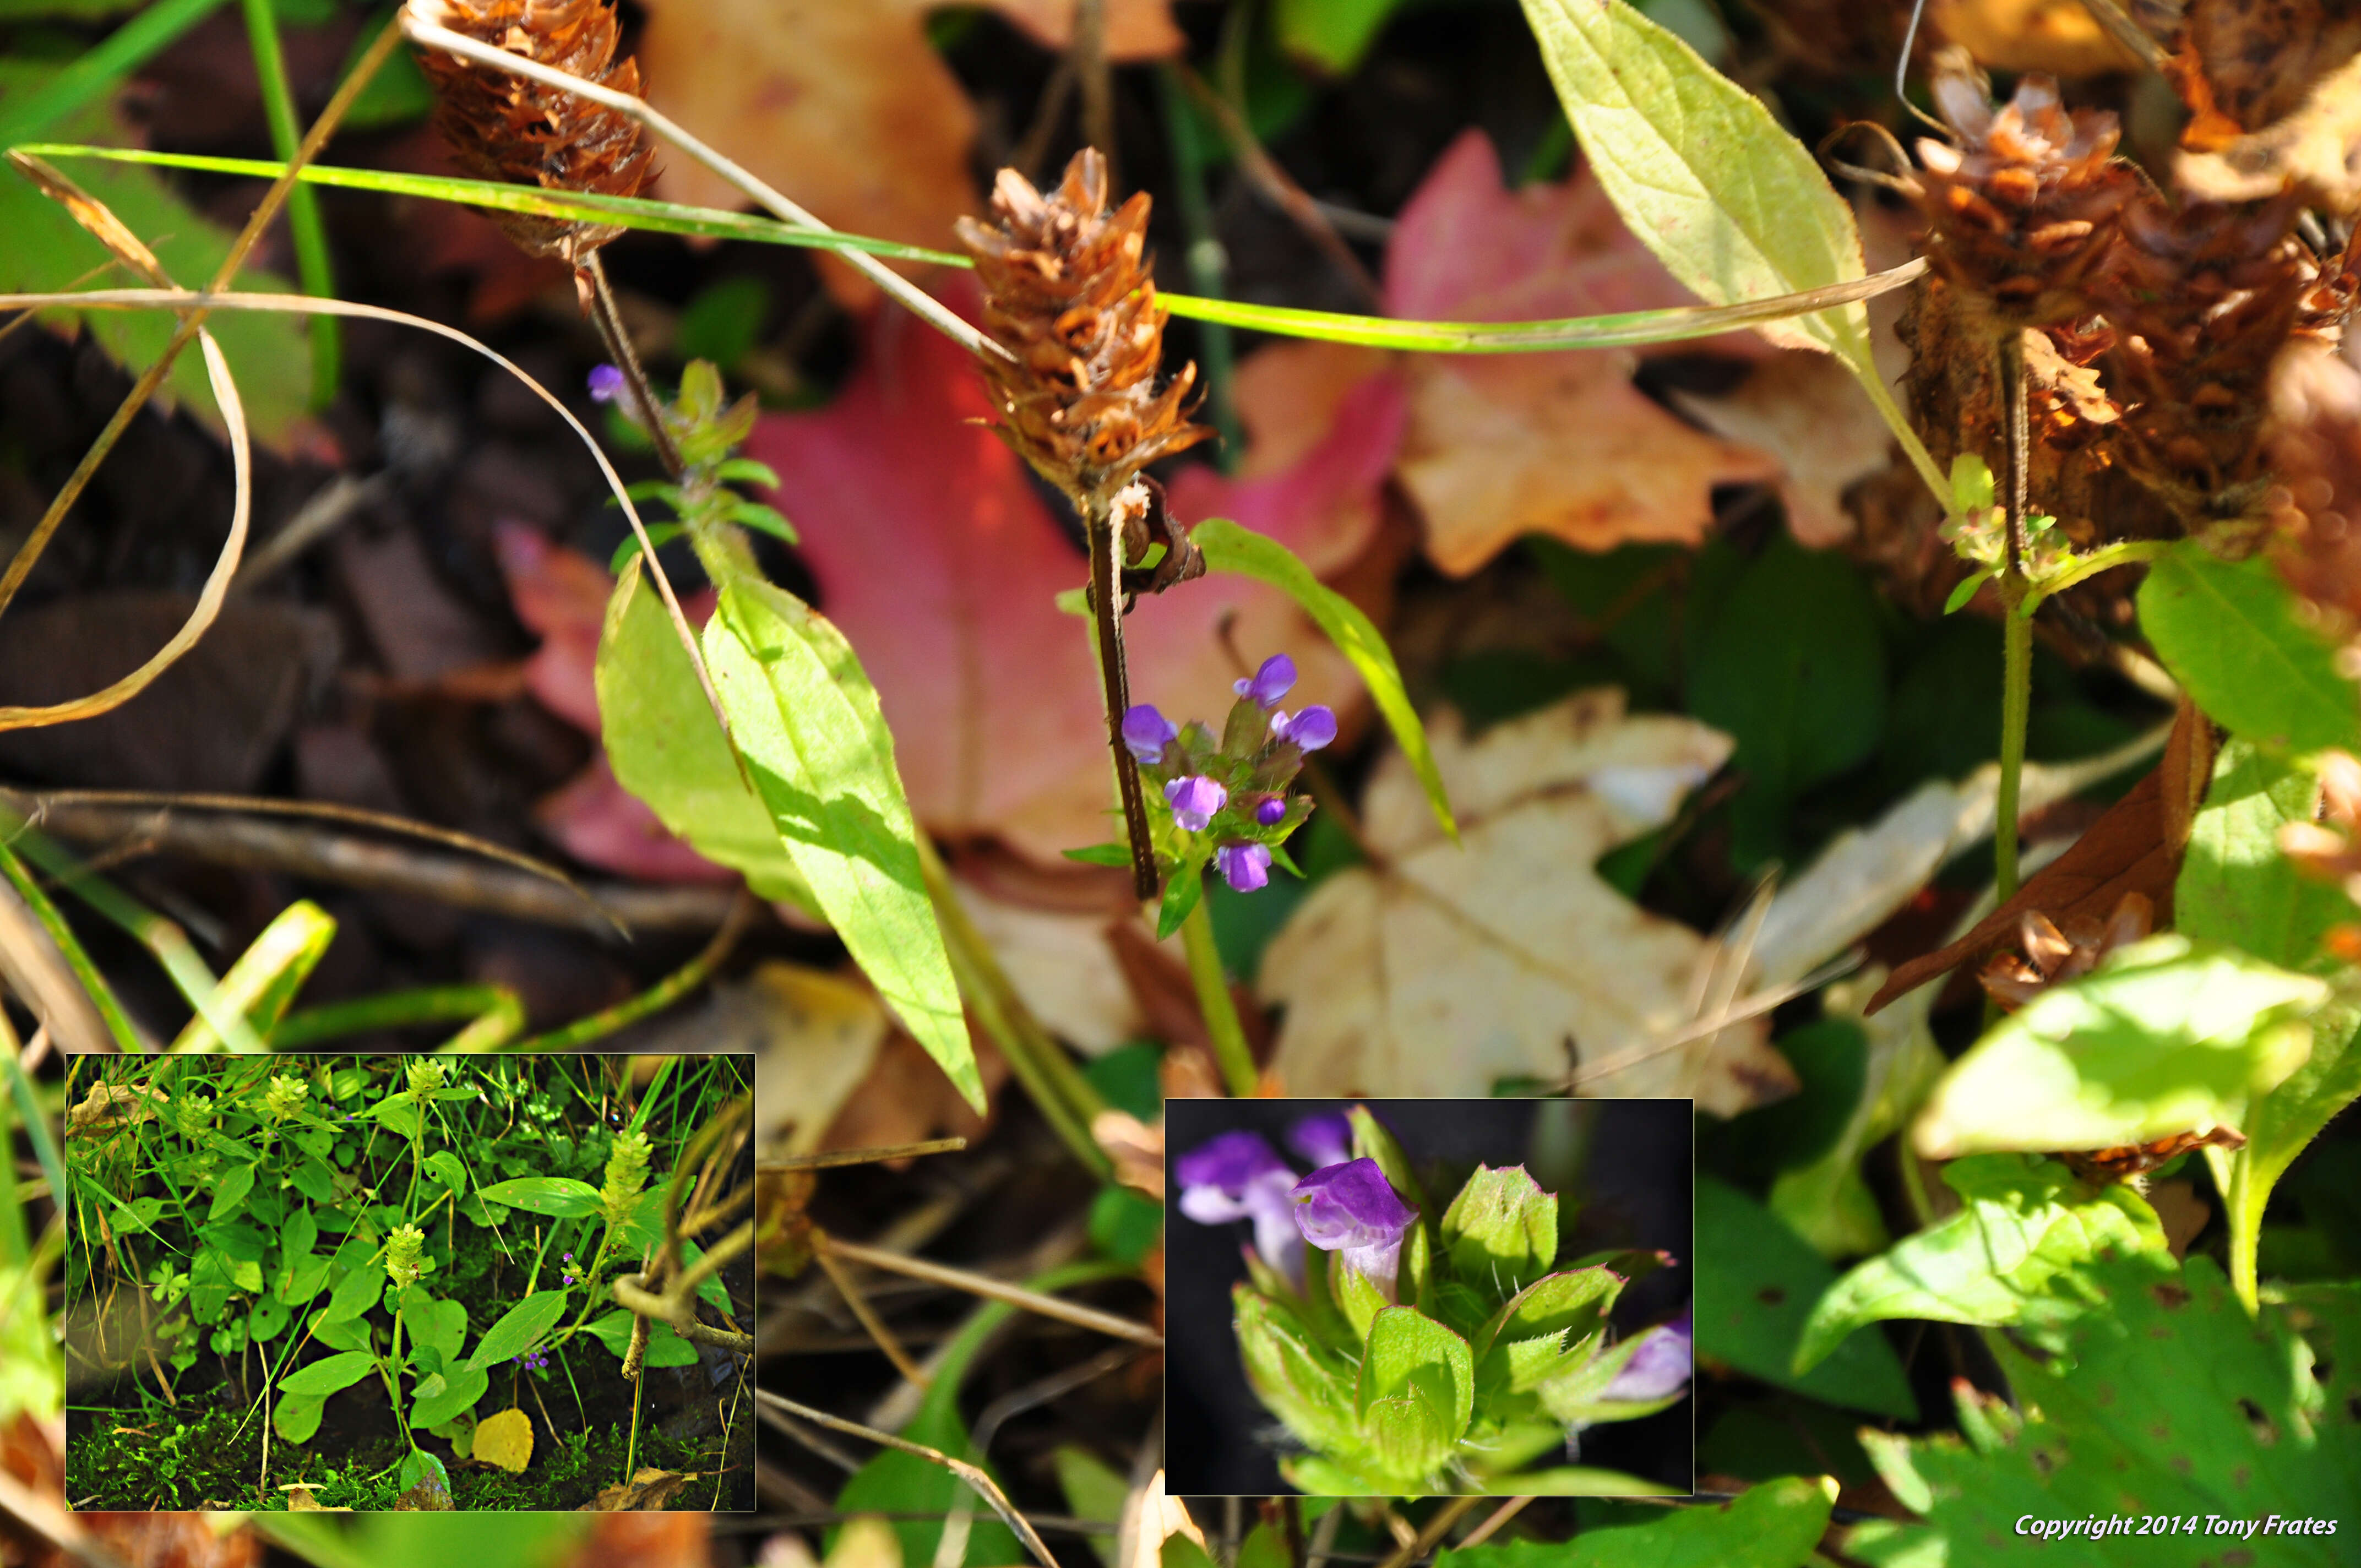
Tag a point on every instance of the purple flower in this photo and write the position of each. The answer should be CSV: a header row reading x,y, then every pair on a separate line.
x,y
606,384
1244,867
1147,732
1272,811
1194,799
1238,1176
1350,1208
1272,682
1658,1367
1326,1138
1313,727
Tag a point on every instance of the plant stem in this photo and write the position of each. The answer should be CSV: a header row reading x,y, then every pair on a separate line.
x,y
1105,546
662,994
2244,1215
1221,1010
312,265
1206,261
2017,617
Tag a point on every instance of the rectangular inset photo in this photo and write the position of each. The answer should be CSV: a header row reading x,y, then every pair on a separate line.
x,y
1420,1298
409,1282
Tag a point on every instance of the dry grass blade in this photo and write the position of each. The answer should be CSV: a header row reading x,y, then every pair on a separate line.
x,y
38,972
1736,1012
983,1484
92,215
870,1324
1432,1532
984,1285
216,588
861,1157
928,309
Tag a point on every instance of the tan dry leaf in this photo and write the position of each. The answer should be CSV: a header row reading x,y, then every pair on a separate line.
x,y
1061,965
1557,443
505,1440
2056,36
2314,149
1136,29
1449,970
867,1541
1805,411
816,1037
649,1488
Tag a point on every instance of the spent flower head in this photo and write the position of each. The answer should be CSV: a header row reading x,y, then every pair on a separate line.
x,y
425,1077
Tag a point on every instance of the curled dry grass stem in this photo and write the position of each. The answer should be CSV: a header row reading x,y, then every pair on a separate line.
x,y
983,1484
860,1156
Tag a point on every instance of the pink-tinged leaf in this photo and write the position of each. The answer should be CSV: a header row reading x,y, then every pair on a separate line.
x,y
598,822
562,595
941,562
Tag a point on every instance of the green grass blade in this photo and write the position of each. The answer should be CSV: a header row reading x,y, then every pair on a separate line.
x,y
1629,329
101,995
390,1009
303,222
123,51
265,978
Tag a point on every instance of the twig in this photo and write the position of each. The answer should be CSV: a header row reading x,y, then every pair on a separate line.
x,y
314,520
1435,1529
870,1321
1501,1516
599,304
860,1156
984,1285
982,1483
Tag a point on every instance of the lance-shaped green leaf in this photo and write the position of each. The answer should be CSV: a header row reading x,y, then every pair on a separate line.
x,y
2236,639
2026,1222
2173,1401
1501,1228
1566,1307
1228,547
1302,1384
1756,1282
355,1294
440,1398
1775,1525
519,1328
559,1197
1410,1353
330,1374
2167,1036
667,748
807,721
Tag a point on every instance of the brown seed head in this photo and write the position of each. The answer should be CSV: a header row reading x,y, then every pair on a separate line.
x,y
2021,214
504,128
1068,294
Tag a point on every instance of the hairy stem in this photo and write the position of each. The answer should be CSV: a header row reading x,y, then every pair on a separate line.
x,y
1214,998
2016,618
1107,635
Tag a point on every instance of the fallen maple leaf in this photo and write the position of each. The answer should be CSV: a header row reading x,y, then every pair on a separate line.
x,y
845,108
1439,971
1803,410
938,558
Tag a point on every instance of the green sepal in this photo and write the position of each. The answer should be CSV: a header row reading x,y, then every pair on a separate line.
x,y
1357,1297
1501,1228
1408,1351
1371,1141
1304,1385
1577,1299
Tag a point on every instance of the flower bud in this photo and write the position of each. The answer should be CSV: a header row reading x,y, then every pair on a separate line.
x,y
627,1172
285,1097
401,1252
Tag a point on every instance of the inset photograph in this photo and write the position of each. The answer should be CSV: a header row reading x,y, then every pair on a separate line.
x,y
409,1282
1417,1297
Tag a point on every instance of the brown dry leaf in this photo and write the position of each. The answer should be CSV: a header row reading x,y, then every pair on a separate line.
x,y
1440,970
2314,149
648,1489
505,1440
1803,409
2056,36
2126,850
683,1540
2260,59
845,108
816,1036
905,1098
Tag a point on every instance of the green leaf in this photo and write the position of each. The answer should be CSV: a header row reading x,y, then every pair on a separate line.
x,y
1733,206
1410,1353
1501,1229
2164,1035
1298,1380
1960,595
1408,1439
2172,1402
559,1197
2026,1222
807,721
1775,1525
519,1328
1125,1225
1790,663
297,1416
1330,34
448,1169
329,1373
2236,639
1181,891
267,1319
459,1391
236,1183
304,1279
2235,887
1101,855
1096,1492
47,250
665,1347
355,1294
1756,1283
438,1325
1578,1301
666,749
1228,547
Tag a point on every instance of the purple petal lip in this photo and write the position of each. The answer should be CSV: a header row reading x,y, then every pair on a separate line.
x,y
1244,867
1194,799
1230,1163
1324,1139
1270,682
606,384
1660,1366
1145,732
1270,812
1350,1206
1313,727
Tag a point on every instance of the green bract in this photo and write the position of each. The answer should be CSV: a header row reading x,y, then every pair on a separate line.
x,y
1488,1363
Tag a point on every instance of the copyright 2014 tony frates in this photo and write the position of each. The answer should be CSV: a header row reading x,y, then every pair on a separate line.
x,y
2100,1527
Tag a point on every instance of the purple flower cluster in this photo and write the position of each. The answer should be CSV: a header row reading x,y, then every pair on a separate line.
x,y
1234,789
1345,1205
534,1360
569,1278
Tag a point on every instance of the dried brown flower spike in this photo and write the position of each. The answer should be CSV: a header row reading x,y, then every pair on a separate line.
x,y
1068,298
504,128
1068,294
